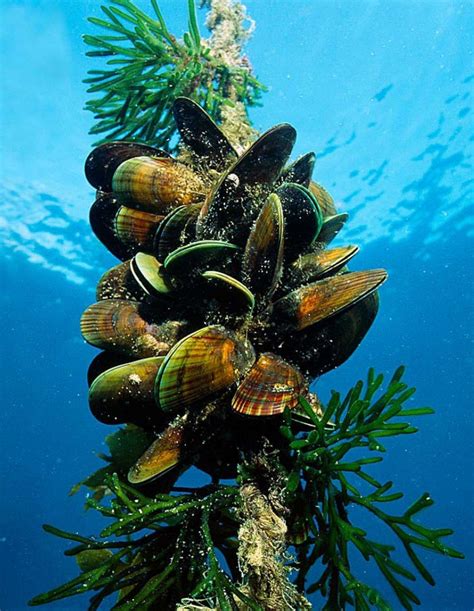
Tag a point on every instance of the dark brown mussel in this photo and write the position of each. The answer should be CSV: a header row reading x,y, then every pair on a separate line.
x,y
332,225
325,201
270,386
103,361
200,366
319,300
229,209
300,171
202,135
105,159
322,263
303,218
124,231
157,185
125,393
177,229
327,345
230,295
130,328
263,256
119,283
164,453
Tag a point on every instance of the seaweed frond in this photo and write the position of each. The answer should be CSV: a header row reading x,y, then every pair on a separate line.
x,y
147,67
228,547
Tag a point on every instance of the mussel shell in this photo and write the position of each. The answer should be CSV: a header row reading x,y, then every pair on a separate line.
x,y
230,293
230,207
319,300
102,162
327,345
332,225
125,393
103,361
300,171
129,327
164,453
201,366
263,257
156,185
303,218
149,274
193,258
270,386
177,229
201,134
119,283
322,263
124,231
325,201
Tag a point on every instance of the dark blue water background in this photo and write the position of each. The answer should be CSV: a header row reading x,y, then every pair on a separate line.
x,y
382,91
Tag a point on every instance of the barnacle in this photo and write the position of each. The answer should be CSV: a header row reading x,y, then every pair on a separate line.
x,y
227,301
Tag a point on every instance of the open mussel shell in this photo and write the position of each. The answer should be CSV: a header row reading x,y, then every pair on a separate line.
x,y
300,171
270,386
254,172
303,218
200,366
201,134
263,256
322,263
315,302
119,283
124,231
229,292
156,185
149,274
129,327
327,345
125,393
195,257
177,229
332,225
105,159
325,201
164,453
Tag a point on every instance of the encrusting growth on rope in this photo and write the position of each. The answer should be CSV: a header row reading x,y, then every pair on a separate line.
x,y
263,542
231,28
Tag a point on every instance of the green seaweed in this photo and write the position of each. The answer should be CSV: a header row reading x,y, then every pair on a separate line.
x,y
147,68
163,549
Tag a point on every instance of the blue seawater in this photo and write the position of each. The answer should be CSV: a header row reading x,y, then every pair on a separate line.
x,y
382,92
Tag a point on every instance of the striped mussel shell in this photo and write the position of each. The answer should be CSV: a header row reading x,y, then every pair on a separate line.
x,y
164,453
270,386
324,298
102,162
129,327
123,230
200,366
327,345
157,184
177,229
119,283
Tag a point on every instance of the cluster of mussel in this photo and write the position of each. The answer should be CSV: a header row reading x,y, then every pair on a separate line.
x,y
227,300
